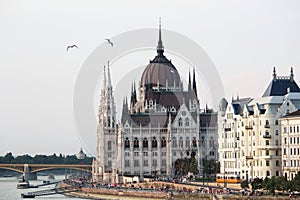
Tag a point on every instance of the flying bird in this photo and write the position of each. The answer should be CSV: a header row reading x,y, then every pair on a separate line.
x,y
71,46
110,42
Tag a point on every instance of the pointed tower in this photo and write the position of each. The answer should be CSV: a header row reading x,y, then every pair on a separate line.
x,y
194,83
125,111
104,166
133,98
274,74
292,74
189,85
160,47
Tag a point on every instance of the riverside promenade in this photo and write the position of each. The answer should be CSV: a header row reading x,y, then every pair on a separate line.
x,y
156,190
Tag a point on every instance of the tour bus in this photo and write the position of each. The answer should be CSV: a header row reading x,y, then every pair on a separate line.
x,y
228,178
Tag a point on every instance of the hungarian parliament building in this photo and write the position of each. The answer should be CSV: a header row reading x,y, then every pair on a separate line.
x,y
162,127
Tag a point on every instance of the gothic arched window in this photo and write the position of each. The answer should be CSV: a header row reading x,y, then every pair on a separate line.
x,y
187,142
108,121
181,142
194,142
145,143
154,142
163,142
180,122
108,145
187,122
136,143
127,143
174,142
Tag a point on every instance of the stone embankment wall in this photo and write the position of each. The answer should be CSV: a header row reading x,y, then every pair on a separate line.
x,y
142,194
156,195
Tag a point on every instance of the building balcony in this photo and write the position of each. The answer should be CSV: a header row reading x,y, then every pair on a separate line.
x,y
266,157
249,157
268,147
227,129
267,136
267,125
248,127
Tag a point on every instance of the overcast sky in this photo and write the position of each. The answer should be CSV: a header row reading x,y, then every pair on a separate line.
x,y
244,39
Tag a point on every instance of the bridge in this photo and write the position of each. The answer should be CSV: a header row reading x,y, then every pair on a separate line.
x,y
29,170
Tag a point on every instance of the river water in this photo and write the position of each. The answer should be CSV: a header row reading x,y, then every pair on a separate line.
x,y
9,191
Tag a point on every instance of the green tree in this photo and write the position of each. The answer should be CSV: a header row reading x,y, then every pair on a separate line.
x,y
244,184
8,158
295,183
193,166
257,183
24,159
210,166
44,159
270,184
281,184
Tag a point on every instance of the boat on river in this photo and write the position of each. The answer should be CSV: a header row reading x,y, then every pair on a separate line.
x,y
23,184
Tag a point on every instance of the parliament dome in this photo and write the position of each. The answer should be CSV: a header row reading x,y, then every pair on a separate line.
x,y
160,70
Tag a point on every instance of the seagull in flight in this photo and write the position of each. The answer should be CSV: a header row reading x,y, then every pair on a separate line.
x,y
110,42
71,46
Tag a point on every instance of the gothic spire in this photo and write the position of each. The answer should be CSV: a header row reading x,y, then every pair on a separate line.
x,y
160,47
189,86
108,77
194,82
104,78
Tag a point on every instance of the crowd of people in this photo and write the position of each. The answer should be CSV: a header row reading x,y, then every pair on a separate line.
x,y
86,183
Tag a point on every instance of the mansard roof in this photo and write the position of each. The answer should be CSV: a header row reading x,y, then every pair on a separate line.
x,y
281,85
238,105
293,114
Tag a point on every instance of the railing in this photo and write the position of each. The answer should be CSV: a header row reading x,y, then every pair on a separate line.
x,y
267,125
248,127
267,136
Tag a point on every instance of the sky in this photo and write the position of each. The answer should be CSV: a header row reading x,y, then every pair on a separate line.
x,y
244,40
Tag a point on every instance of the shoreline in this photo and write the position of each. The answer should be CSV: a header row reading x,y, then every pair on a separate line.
x,y
118,194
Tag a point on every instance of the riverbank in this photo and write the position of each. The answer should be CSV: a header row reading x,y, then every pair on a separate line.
x,y
178,192
142,191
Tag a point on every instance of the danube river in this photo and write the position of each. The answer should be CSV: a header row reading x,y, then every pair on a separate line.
x,y
8,190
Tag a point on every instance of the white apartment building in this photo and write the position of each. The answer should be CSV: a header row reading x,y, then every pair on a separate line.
x,y
290,134
249,130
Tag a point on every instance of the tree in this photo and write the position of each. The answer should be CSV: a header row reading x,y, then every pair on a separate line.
x,y
295,183
210,166
193,166
281,184
270,184
244,184
257,183
8,158
44,159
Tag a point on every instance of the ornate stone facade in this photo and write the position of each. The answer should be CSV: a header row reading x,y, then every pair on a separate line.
x,y
160,126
